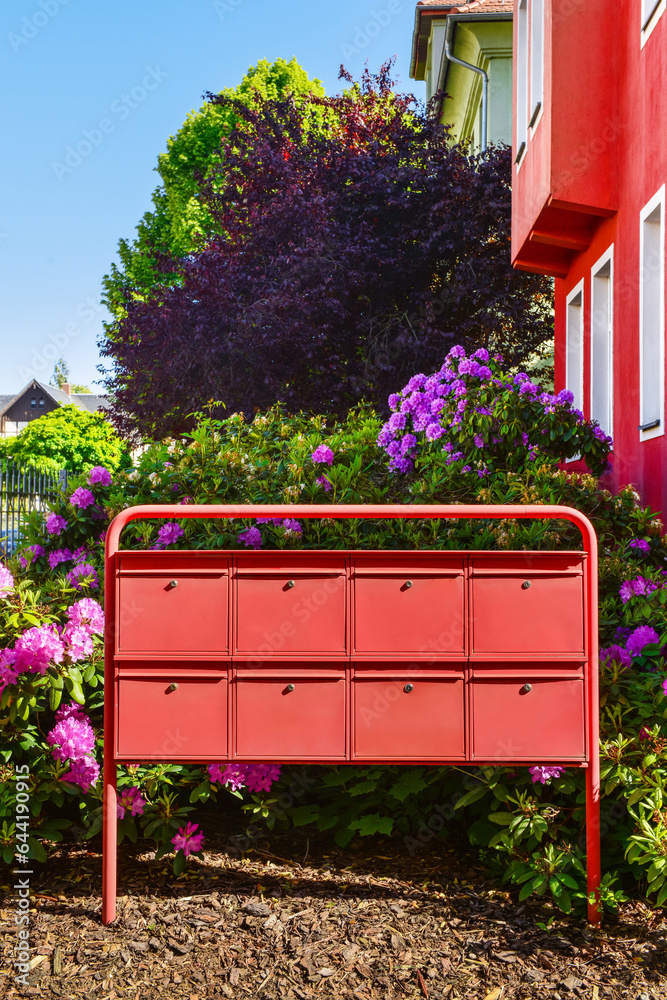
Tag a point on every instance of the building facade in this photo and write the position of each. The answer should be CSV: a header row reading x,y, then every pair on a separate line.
x,y
38,398
480,35
590,148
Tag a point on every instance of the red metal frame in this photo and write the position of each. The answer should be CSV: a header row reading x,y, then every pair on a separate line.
x,y
590,760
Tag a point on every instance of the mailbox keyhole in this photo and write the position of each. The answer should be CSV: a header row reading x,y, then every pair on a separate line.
x,y
526,585
526,689
407,585
172,687
408,688
289,584
172,584
289,688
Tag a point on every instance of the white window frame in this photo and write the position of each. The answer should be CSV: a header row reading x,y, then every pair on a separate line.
x,y
650,12
578,389
536,73
656,203
522,70
605,263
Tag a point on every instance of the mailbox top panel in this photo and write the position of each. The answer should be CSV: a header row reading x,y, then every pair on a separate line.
x,y
166,561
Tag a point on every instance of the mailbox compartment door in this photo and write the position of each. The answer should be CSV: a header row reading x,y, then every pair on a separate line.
x,y
297,611
407,717
172,718
173,605
528,717
294,716
410,610
533,604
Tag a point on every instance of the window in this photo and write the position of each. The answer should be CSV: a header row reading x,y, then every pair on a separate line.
x,y
522,79
574,337
602,342
536,60
41,402
652,318
33,401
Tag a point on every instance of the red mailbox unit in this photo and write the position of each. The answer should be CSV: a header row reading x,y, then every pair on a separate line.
x,y
351,656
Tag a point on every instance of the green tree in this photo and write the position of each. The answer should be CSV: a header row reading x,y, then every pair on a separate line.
x,y
178,222
61,376
67,438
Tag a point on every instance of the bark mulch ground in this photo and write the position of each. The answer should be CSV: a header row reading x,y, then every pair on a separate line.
x,y
283,919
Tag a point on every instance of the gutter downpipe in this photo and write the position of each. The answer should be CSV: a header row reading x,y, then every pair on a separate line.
x,y
449,34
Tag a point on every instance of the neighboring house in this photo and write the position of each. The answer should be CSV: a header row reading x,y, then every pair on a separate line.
x,y
478,34
590,107
36,399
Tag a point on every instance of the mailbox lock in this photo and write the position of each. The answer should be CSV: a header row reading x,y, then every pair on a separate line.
x,y
290,687
527,688
525,585
408,688
408,583
173,583
290,584
172,687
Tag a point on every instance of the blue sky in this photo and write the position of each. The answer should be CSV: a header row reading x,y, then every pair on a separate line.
x,y
117,78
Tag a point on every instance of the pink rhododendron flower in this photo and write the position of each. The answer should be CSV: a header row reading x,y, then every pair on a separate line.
x,y
72,737
6,581
59,556
187,840
84,772
640,638
83,574
323,454
324,483
32,552
88,614
644,733
55,523
641,544
78,642
99,476
132,799
37,648
72,709
544,774
168,534
251,538
82,498
7,673
256,777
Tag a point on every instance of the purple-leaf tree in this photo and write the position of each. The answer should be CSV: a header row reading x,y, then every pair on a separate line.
x,y
351,244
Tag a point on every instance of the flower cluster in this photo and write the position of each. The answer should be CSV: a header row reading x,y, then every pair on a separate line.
x,y
252,537
6,581
544,774
634,646
168,534
73,740
132,799
187,840
254,777
483,419
637,587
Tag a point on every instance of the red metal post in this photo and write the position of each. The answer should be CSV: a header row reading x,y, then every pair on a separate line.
x,y
347,511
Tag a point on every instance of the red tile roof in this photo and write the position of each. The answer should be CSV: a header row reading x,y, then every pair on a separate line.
x,y
427,9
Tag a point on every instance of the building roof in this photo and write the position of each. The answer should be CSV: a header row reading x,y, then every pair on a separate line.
x,y
84,400
427,10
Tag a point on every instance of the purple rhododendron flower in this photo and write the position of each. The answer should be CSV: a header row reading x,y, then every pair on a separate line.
x,y
80,554
641,637
55,523
37,648
394,400
641,544
59,556
78,642
187,840
82,574
7,673
168,534
256,777
88,614
291,525
35,552
637,587
99,476
82,498
325,483
251,538
544,774
616,654
132,799
84,771
72,737
6,581
479,441
433,432
323,454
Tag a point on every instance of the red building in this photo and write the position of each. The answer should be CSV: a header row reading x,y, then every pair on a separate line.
x,y
590,147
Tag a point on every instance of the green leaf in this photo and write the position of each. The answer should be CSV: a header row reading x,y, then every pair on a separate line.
x,y
180,863
472,796
501,818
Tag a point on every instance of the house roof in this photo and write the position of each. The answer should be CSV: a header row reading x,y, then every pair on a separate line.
x,y
84,400
427,10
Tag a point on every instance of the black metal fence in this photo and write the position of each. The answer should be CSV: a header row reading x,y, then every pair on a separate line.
x,y
22,489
